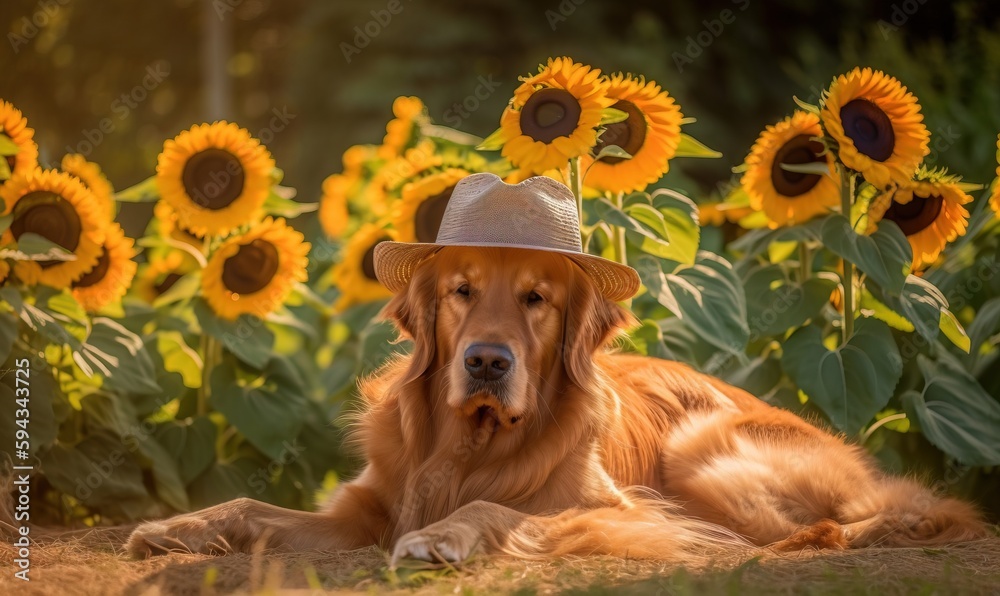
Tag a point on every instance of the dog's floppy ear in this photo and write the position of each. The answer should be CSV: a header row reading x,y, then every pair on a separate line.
x,y
591,322
414,310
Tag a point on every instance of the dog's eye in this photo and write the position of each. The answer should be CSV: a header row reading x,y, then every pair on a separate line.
x,y
535,298
463,290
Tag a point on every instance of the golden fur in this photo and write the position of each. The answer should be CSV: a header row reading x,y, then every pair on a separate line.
x,y
569,452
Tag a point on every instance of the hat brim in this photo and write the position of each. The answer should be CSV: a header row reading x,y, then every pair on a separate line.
x,y
395,263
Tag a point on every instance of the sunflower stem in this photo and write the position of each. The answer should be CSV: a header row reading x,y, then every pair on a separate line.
x,y
805,262
576,185
846,200
208,349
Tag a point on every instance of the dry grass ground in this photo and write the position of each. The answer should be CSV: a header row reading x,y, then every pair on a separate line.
x,y
93,563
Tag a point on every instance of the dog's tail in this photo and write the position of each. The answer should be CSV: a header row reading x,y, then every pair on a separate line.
x,y
903,512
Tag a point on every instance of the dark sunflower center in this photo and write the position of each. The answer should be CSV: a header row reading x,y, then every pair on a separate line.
x,y
629,134
251,268
213,178
869,127
549,114
11,162
368,261
167,283
798,150
427,220
917,215
96,274
51,217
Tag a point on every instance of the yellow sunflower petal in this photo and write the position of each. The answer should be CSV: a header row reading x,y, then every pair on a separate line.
x,y
877,126
354,275
108,281
215,177
650,135
14,126
552,116
62,210
93,178
790,197
254,273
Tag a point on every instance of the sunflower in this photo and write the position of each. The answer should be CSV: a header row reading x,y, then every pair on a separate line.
x,y
399,131
59,208
929,210
424,202
161,273
995,196
333,213
553,115
216,177
108,281
790,197
23,156
253,273
877,126
650,135
355,274
169,226
356,157
93,178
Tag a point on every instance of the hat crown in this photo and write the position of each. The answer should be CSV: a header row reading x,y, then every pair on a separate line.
x,y
539,212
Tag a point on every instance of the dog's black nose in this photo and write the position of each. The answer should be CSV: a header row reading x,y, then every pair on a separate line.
x,y
488,362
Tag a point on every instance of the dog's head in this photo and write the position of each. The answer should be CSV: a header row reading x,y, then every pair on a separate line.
x,y
501,326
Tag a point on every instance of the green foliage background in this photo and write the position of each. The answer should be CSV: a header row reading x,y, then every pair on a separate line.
x,y
288,58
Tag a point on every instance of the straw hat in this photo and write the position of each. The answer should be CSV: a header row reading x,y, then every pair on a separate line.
x,y
537,214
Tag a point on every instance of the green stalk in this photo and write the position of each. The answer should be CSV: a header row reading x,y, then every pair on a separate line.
x,y
576,185
846,199
621,254
209,347
805,262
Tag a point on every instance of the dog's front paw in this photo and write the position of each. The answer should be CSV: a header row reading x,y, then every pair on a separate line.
x,y
442,542
181,534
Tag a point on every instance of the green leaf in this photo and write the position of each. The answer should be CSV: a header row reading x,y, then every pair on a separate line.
x,y
871,306
5,172
954,331
40,248
812,109
6,220
675,246
224,481
178,357
612,116
756,242
985,325
884,256
185,288
43,425
122,356
955,413
708,296
63,303
8,334
166,474
819,168
612,151
268,411
98,470
648,339
776,304
851,383
143,192
8,147
287,207
190,443
689,147
247,337
494,142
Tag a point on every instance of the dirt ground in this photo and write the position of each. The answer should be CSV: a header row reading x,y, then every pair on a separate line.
x,y
93,562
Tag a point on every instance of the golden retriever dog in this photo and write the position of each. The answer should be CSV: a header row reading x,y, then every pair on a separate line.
x,y
511,428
